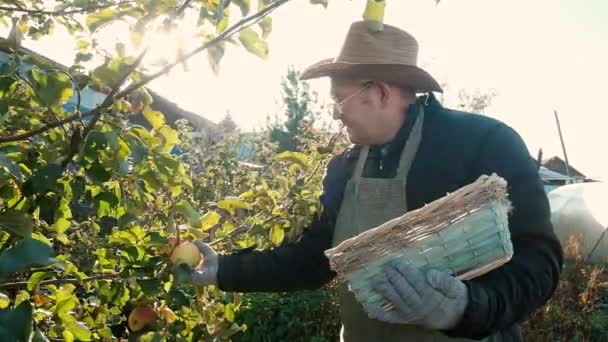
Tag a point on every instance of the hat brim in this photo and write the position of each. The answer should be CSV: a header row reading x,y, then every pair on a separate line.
x,y
404,75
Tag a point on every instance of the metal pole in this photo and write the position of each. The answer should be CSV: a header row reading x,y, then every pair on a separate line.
x,y
561,138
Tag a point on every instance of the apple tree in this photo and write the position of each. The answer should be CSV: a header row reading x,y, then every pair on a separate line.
x,y
97,213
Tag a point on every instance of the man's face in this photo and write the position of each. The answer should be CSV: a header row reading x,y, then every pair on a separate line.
x,y
362,110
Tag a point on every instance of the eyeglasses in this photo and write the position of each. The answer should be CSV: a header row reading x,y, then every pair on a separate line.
x,y
338,107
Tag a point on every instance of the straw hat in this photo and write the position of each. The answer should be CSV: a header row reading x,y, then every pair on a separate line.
x,y
389,55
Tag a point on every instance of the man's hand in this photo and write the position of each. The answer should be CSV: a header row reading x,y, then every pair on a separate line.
x,y
434,299
206,272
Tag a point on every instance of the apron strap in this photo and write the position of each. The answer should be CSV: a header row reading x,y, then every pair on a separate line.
x,y
411,146
361,162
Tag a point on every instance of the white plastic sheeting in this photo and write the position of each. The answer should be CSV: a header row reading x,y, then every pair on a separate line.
x,y
581,211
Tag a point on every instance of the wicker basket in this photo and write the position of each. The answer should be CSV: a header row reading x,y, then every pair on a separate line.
x,y
465,233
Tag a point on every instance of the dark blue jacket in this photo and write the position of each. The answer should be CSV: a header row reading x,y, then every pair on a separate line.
x,y
456,149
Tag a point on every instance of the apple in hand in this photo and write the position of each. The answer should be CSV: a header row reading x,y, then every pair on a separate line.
x,y
141,316
186,253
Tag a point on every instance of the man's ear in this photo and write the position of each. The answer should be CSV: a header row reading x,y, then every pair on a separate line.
x,y
386,92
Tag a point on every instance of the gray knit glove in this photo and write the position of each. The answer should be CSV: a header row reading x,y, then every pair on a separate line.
x,y
433,299
206,272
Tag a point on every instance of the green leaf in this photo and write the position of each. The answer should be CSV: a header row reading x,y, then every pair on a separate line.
x,y
16,325
245,6
170,138
22,296
106,333
111,72
35,280
277,234
95,142
295,157
231,203
98,173
151,337
266,25
98,19
79,330
150,287
143,136
210,219
26,253
126,219
42,180
185,208
12,168
155,118
5,301
83,45
52,88
17,223
215,53
66,301
252,43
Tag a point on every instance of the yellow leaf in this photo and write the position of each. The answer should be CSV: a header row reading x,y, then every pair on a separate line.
x,y
210,219
155,118
374,14
252,43
170,137
4,301
228,227
222,25
231,203
68,336
247,195
277,234
295,157
197,233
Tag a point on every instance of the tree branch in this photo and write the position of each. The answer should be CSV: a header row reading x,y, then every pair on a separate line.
x,y
62,12
45,128
98,111
182,8
240,25
74,281
237,27
29,84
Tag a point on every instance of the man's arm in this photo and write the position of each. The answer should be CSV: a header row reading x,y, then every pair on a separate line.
x,y
298,266
510,293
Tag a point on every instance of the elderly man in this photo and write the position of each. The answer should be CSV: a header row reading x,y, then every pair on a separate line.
x,y
408,151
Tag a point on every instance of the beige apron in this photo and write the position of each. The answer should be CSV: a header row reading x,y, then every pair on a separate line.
x,y
367,203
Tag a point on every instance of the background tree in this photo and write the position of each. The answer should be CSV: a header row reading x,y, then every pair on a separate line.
x,y
227,124
299,114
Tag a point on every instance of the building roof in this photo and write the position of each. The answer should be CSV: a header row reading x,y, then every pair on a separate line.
x,y
556,164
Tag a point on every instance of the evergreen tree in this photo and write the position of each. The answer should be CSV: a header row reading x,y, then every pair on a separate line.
x,y
298,100
227,124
